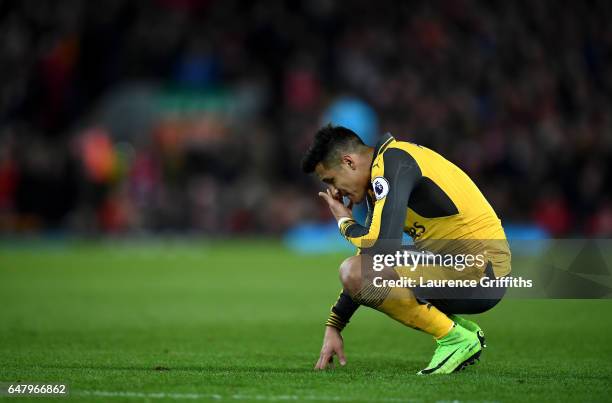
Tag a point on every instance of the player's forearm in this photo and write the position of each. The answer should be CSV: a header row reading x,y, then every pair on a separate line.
x,y
342,311
349,228
357,234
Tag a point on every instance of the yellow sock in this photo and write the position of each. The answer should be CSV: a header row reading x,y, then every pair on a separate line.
x,y
401,305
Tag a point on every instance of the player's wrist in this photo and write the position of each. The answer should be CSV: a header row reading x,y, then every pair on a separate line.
x,y
343,220
336,322
332,329
344,223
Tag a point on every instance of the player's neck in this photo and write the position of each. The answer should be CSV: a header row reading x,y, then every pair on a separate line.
x,y
368,160
368,154
369,157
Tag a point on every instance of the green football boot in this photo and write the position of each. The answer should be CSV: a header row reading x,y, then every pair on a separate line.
x,y
471,326
458,349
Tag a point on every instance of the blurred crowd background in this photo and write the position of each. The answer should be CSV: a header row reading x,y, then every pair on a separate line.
x,y
189,116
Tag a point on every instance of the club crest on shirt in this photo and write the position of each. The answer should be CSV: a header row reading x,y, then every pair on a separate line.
x,y
380,186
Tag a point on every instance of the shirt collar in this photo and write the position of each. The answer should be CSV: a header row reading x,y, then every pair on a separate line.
x,y
382,144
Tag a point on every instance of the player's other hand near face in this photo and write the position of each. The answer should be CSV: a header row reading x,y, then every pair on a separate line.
x,y
332,345
336,206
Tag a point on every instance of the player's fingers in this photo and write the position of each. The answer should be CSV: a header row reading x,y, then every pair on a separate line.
x,y
322,363
323,359
330,363
325,197
341,357
336,195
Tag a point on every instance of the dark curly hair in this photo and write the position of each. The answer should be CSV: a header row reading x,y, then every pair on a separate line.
x,y
329,141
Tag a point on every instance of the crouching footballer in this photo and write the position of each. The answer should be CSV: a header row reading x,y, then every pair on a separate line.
x,y
410,189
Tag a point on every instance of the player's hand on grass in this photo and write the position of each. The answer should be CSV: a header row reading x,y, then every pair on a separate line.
x,y
332,345
336,206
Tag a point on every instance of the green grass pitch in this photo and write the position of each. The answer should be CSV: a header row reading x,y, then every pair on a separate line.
x,y
243,321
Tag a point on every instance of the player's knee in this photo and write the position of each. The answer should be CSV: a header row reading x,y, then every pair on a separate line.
x,y
350,274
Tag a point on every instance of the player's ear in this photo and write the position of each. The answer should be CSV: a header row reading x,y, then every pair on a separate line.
x,y
348,161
